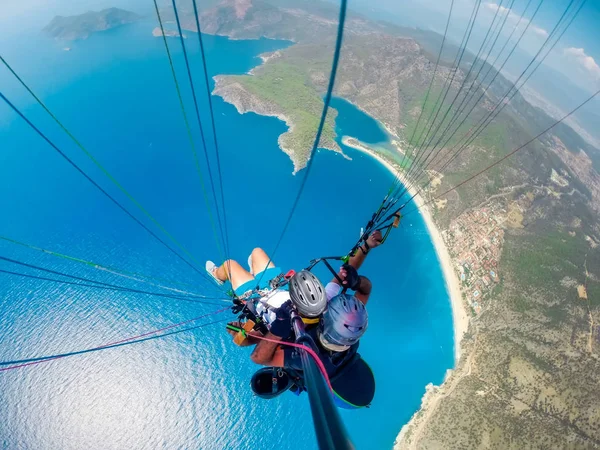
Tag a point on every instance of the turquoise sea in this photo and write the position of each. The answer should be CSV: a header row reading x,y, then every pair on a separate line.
x,y
115,93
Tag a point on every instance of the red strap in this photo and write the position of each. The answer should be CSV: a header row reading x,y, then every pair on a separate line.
x,y
289,274
306,348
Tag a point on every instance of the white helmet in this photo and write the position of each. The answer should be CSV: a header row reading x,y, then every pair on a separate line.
x,y
345,321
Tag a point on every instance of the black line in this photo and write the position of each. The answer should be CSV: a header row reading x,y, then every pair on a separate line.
x,y
87,177
96,284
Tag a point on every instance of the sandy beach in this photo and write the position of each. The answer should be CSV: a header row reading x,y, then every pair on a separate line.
x,y
459,313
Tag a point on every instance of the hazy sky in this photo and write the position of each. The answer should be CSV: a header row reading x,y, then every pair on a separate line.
x,y
577,55
30,15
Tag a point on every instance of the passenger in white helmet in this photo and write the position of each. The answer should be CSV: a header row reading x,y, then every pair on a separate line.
x,y
304,288
335,320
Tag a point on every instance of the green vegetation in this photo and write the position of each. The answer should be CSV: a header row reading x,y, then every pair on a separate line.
x,y
593,292
495,138
285,90
413,135
540,262
284,85
452,129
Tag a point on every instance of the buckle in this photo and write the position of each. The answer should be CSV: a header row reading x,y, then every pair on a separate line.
x,y
290,273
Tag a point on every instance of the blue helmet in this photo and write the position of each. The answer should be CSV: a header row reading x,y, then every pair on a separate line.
x,y
344,321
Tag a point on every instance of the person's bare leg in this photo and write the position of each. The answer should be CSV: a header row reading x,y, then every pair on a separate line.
x,y
231,270
260,260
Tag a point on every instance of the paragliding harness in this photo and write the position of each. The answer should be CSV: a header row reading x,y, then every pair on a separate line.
x,y
270,382
245,309
244,306
352,386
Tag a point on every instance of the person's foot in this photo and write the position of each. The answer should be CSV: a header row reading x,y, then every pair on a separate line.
x,y
211,268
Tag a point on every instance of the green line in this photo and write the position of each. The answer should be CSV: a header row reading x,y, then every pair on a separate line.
x,y
123,273
99,165
189,133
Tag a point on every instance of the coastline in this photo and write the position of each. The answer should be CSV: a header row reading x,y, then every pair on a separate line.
x,y
236,94
460,315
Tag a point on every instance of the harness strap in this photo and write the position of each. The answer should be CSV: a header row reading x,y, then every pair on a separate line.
x,y
344,368
308,321
306,348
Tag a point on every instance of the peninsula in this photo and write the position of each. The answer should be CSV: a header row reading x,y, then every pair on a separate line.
x,y
282,92
72,28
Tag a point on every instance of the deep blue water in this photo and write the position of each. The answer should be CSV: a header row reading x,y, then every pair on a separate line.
x,y
115,92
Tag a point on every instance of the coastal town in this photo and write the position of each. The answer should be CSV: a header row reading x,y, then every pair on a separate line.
x,y
474,240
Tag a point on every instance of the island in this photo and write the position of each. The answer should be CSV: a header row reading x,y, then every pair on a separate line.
x,y
519,244
72,28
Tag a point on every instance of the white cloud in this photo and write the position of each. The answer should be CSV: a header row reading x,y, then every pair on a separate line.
x,y
539,31
586,62
515,18
494,7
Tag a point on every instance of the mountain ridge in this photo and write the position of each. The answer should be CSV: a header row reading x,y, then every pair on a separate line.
x,y
81,26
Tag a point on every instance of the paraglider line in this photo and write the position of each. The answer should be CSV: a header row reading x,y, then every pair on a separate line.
x,y
202,137
110,288
148,336
119,272
507,155
214,129
334,66
104,170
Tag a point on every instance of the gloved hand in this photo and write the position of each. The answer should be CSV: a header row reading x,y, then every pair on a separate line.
x,y
282,325
350,278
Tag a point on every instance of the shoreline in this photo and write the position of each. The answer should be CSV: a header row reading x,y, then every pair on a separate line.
x,y
297,165
257,107
460,317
